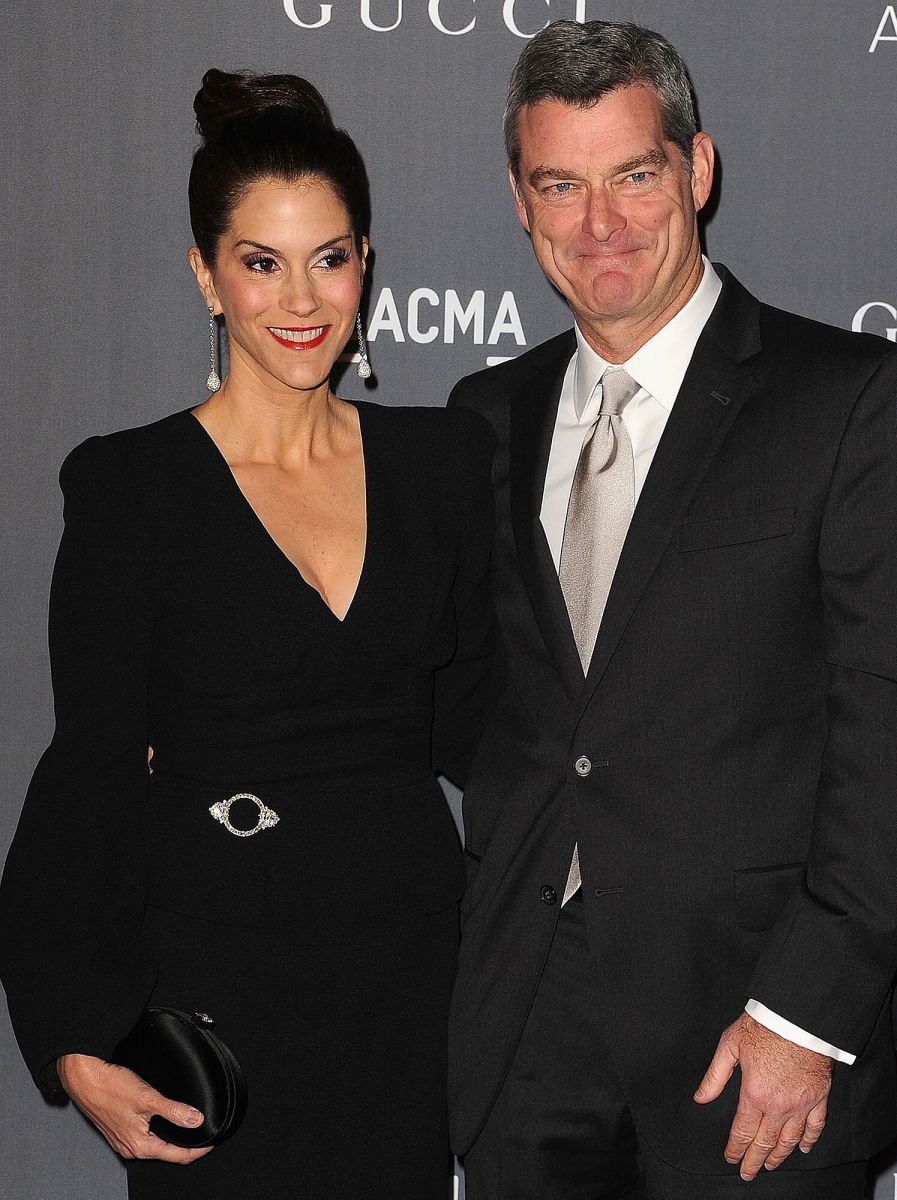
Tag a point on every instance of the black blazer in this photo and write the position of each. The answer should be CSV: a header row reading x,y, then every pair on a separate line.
x,y
738,828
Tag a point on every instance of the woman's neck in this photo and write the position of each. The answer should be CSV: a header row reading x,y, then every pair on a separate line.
x,y
288,427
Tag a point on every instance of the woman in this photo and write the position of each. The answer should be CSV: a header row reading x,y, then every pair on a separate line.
x,y
285,595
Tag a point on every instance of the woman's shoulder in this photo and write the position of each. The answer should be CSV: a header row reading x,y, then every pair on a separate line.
x,y
458,436
128,453
120,463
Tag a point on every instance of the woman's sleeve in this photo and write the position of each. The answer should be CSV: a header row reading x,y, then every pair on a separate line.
x,y
465,686
73,891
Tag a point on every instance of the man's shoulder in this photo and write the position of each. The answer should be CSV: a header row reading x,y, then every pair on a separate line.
x,y
820,368
788,337
492,387
794,334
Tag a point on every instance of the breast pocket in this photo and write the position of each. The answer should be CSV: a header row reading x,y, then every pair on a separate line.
x,y
737,530
761,894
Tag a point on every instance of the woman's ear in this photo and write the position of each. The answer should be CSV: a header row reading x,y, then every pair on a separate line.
x,y
204,279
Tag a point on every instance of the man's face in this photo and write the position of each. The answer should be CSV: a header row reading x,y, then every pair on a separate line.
x,y
610,207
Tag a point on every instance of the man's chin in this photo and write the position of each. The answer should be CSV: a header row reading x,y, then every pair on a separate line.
x,y
616,296
610,283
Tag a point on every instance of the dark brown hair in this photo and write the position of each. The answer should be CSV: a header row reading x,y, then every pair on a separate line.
x,y
266,127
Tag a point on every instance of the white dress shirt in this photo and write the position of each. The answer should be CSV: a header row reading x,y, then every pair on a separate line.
x,y
659,366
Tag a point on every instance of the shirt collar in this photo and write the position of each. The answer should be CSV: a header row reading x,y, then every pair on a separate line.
x,y
660,365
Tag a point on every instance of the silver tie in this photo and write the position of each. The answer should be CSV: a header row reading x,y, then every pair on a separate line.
x,y
602,500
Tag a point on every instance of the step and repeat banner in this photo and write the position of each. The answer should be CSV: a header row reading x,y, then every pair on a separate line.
x,y
102,325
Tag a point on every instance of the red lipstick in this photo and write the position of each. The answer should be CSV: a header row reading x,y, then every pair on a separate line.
x,y
305,343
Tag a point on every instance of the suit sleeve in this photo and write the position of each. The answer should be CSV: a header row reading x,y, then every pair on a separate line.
x,y
833,954
73,891
464,687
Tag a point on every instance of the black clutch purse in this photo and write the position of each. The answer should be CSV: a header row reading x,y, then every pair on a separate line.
x,y
181,1057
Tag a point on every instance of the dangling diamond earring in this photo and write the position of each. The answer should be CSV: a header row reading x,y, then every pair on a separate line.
x,y
364,367
213,383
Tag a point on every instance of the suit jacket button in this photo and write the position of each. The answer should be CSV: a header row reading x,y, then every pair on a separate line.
x,y
582,766
547,894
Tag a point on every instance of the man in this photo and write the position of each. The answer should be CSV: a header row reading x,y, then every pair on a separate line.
x,y
685,803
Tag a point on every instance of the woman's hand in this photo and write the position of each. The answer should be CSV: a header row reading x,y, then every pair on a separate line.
x,y
120,1104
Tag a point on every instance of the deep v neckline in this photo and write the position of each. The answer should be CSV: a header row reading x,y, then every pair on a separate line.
x,y
272,542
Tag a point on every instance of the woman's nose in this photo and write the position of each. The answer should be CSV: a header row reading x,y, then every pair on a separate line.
x,y
299,296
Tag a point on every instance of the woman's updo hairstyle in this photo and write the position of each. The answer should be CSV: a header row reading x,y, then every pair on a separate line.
x,y
266,127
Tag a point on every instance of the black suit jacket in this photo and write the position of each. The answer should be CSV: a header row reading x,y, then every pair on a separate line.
x,y
738,828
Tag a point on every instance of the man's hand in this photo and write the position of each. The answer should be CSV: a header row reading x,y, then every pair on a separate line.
x,y
783,1098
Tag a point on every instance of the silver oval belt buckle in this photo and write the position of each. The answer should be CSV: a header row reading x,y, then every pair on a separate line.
x,y
266,819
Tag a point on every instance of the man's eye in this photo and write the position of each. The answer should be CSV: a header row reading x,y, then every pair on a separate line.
x,y
560,189
639,176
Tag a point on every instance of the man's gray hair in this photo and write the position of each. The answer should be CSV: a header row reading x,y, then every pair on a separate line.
x,y
580,63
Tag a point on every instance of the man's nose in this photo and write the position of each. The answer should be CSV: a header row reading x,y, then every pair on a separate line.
x,y
603,216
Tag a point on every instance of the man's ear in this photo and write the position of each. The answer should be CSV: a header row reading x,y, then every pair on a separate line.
x,y
702,159
204,280
522,214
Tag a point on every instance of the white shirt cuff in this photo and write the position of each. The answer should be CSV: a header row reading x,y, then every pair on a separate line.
x,y
794,1033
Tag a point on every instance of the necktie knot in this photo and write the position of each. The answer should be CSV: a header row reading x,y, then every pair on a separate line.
x,y
617,389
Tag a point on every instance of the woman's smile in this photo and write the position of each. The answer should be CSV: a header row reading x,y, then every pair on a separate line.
x,y
300,338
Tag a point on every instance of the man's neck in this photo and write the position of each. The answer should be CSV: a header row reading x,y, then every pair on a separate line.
x,y
617,340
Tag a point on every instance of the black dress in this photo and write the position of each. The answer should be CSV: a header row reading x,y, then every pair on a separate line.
x,y
323,945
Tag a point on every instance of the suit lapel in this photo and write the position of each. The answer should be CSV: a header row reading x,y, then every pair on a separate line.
x,y
533,414
712,393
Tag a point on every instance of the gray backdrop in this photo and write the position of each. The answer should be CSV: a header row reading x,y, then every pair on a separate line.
x,y
102,325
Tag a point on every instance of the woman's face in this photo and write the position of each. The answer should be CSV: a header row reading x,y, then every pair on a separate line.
x,y
287,277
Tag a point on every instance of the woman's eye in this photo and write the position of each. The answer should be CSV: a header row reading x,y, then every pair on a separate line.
x,y
262,264
333,259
